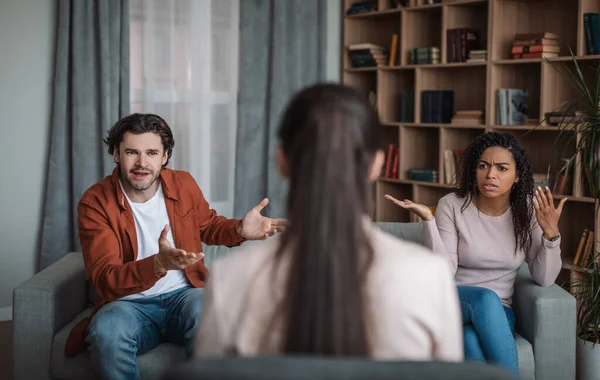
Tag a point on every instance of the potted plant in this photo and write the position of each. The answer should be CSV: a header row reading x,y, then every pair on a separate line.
x,y
584,128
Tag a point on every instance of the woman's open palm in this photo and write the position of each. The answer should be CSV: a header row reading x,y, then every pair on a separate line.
x,y
546,214
419,210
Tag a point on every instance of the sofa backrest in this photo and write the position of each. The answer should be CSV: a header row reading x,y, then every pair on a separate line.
x,y
317,368
406,231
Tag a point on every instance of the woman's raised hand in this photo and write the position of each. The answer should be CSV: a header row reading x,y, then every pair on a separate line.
x,y
419,210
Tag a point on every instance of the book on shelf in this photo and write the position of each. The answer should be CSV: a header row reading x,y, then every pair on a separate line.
x,y
584,249
367,55
407,106
424,175
535,45
437,106
591,27
460,42
468,117
511,106
452,163
424,55
477,56
394,50
392,162
363,6
563,178
556,118
416,3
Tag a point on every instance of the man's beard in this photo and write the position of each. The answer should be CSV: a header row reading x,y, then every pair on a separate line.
x,y
141,186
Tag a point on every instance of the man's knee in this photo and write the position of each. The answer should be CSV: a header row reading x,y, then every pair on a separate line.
x,y
112,325
193,300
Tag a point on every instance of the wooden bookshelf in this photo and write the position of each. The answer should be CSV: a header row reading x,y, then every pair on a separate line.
x,y
422,145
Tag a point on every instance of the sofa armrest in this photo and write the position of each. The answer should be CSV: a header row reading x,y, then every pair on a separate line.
x,y
545,316
41,306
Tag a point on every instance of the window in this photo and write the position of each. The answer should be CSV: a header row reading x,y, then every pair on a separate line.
x,y
184,67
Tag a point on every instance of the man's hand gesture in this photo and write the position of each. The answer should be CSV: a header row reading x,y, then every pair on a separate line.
x,y
169,258
254,226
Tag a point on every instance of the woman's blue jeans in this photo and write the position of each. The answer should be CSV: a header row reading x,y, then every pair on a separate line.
x,y
121,330
488,328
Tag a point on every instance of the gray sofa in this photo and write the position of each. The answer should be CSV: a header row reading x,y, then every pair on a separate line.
x,y
321,368
48,305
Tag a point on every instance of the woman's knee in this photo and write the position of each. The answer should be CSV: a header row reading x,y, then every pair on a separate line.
x,y
482,298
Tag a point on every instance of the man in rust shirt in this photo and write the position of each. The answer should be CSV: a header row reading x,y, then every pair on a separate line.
x,y
141,231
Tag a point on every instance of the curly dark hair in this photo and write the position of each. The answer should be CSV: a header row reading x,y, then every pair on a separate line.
x,y
521,207
138,123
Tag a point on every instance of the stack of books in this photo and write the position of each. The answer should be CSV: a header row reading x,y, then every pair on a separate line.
x,y
425,175
477,56
424,55
460,42
563,117
367,55
468,117
437,106
536,45
362,7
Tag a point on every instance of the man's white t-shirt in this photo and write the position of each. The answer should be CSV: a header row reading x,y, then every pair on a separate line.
x,y
150,218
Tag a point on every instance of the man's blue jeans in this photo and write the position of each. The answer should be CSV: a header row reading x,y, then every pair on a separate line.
x,y
120,330
488,328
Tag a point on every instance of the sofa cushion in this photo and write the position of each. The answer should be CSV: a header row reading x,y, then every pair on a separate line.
x,y
407,231
526,360
153,364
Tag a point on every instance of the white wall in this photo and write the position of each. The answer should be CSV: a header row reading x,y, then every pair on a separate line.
x,y
27,29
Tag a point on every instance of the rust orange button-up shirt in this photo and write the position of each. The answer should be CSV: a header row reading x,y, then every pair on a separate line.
x,y
109,242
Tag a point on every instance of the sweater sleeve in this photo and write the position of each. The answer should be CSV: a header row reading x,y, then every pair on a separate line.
x,y
543,258
449,345
441,235
209,340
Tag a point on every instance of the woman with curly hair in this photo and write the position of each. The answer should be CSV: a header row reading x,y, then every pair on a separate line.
x,y
493,222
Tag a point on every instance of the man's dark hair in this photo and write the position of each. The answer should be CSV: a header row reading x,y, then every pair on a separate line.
x,y
139,123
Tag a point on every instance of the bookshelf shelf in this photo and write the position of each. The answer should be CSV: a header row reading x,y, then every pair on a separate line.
x,y
517,61
578,58
425,8
361,69
388,13
447,65
522,128
475,87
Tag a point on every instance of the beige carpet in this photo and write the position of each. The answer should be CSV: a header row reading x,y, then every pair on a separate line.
x,y
6,348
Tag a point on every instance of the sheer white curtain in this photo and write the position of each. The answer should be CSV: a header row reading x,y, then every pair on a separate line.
x,y
184,67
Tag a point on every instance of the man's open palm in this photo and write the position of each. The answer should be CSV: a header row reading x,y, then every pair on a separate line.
x,y
258,227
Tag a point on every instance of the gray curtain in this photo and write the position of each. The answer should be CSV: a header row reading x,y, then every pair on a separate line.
x,y
282,49
91,92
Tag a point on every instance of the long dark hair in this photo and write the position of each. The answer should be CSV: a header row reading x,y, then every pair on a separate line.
x,y
141,123
521,192
329,135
